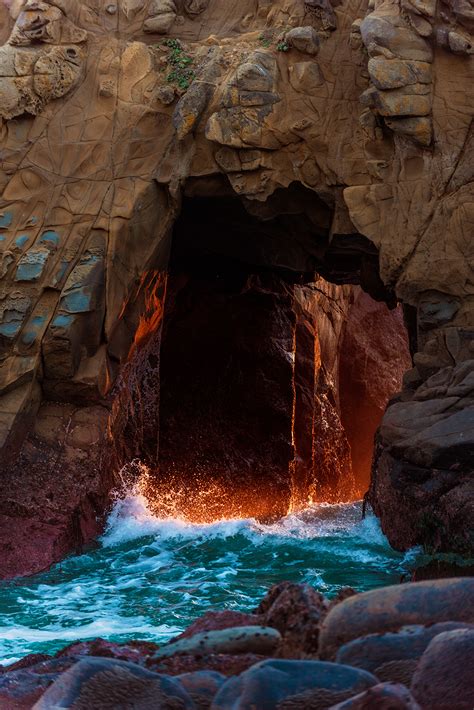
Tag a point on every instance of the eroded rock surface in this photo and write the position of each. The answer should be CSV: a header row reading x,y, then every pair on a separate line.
x,y
350,127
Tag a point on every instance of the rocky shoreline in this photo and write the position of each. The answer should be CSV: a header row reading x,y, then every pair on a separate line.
x,y
404,646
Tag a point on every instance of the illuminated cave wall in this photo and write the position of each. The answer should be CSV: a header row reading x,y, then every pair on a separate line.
x,y
253,395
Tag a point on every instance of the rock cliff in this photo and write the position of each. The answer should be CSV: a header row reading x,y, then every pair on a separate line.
x,y
321,139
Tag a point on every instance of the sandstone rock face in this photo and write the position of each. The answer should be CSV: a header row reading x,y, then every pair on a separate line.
x,y
343,136
431,429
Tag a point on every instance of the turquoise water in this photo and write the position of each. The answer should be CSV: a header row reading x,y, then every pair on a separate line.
x,y
149,577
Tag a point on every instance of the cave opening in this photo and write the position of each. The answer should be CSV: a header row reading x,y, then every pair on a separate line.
x,y
275,366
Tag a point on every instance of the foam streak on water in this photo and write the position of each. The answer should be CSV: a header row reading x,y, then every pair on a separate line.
x,y
151,577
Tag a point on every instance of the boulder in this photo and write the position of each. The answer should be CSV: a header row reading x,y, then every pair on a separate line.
x,y
104,684
304,39
444,678
408,644
390,608
245,639
201,686
24,682
218,620
291,684
296,611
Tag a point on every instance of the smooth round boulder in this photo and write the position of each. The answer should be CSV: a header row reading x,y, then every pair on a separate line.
x,y
385,696
409,643
244,639
444,678
106,684
292,684
390,608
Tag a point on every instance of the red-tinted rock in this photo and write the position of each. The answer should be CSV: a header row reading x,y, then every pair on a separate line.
x,y
295,610
41,521
133,651
226,396
216,620
222,663
322,465
31,660
373,359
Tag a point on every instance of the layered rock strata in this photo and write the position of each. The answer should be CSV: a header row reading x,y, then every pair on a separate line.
x,y
350,125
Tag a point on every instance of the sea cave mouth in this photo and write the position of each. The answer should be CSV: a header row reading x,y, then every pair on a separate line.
x,y
268,345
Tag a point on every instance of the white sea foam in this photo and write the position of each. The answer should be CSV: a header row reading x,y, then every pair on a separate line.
x,y
151,576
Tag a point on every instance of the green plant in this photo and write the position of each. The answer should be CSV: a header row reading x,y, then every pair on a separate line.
x,y
180,63
283,46
265,40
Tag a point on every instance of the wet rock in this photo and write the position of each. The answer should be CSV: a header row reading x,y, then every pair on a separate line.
x,y
409,643
423,460
291,685
390,608
30,660
374,355
134,651
385,696
117,179
54,519
444,678
441,569
245,639
296,611
105,684
217,620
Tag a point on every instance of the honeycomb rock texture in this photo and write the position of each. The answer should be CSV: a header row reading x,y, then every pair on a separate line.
x,y
349,125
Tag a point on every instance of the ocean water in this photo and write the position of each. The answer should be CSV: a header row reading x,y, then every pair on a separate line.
x,y
150,577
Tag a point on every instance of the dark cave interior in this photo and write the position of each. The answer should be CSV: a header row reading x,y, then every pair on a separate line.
x,y
261,408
